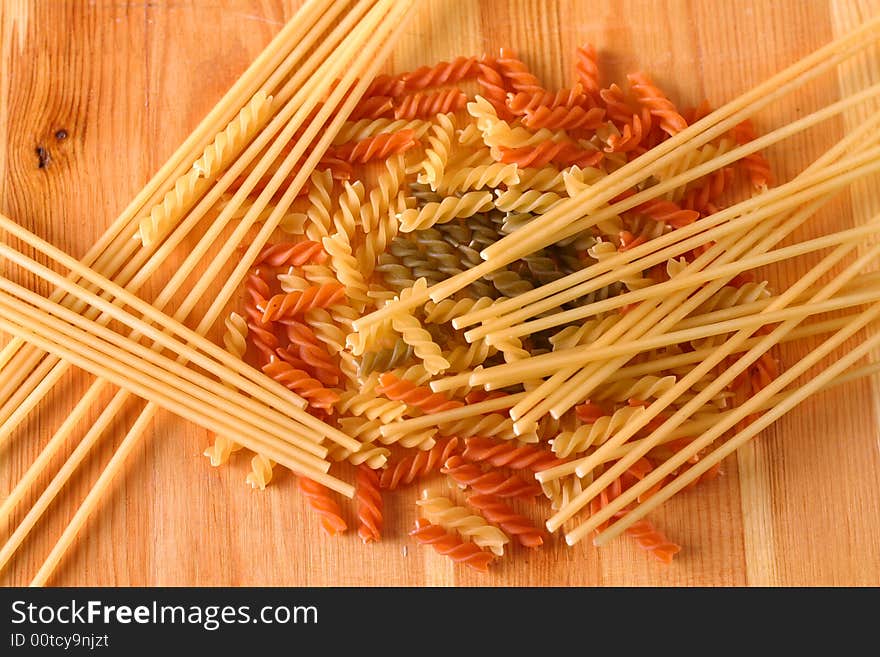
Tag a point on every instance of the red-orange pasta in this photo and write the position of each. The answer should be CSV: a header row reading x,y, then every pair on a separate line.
x,y
378,147
490,483
260,332
319,498
301,382
422,463
653,541
376,107
386,85
296,303
563,118
756,165
523,101
587,68
563,153
617,107
712,186
509,454
420,397
497,511
668,212
369,504
452,546
422,105
517,73
309,349
291,254
494,88
649,95
442,73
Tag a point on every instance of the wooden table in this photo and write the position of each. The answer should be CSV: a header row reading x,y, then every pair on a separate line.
x,y
93,98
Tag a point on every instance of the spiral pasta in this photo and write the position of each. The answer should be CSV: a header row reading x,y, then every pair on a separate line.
x,y
319,499
442,73
216,157
369,504
518,200
293,304
490,483
587,68
320,208
377,147
235,341
413,334
414,466
439,149
650,96
451,207
301,382
452,546
596,433
261,472
443,512
422,105
507,454
516,525
347,267
416,396
479,177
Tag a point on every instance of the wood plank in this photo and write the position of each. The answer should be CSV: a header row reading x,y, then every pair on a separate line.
x,y
127,81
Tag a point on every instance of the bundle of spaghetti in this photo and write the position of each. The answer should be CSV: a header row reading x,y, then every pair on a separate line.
x,y
372,22
443,512
567,219
729,375
137,368
319,500
549,303
452,546
516,525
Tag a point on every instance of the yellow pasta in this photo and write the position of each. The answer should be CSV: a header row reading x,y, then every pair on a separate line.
x,y
216,157
442,511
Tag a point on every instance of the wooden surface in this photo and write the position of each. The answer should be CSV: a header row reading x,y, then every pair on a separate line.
x,y
105,90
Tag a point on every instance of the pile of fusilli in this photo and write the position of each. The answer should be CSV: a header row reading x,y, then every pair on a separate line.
x,y
434,166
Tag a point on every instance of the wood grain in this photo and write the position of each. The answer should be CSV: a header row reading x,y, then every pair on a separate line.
x,y
106,90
